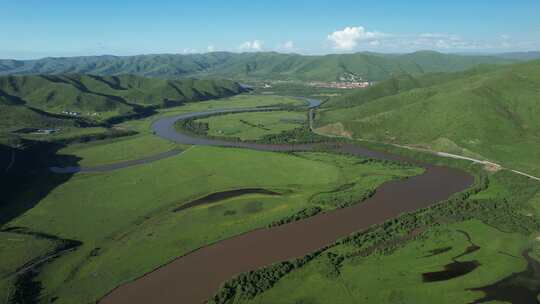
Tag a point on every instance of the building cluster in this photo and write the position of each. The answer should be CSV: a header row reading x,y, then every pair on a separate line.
x,y
47,131
71,113
341,85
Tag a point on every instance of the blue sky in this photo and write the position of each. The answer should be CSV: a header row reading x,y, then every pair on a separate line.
x,y
37,28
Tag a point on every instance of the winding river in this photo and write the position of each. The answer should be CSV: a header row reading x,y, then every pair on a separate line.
x,y
197,276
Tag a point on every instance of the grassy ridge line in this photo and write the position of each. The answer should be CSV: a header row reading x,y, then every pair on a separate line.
x,y
262,65
108,96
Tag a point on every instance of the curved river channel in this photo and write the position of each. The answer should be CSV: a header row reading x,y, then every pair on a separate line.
x,y
197,276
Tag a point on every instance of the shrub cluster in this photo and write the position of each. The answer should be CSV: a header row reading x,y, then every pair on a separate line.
x,y
110,133
343,197
193,126
248,285
386,237
302,214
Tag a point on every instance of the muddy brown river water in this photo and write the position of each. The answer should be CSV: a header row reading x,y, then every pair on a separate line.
x,y
197,276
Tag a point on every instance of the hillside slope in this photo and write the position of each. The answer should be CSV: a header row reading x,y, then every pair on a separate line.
x,y
13,118
492,114
103,97
261,65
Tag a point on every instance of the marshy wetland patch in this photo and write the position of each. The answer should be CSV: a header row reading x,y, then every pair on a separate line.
x,y
223,195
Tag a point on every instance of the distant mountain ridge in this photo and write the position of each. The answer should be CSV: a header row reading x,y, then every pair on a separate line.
x,y
261,65
524,56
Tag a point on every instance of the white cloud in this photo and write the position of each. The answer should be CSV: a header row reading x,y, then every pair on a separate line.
x,y
287,46
189,51
210,48
348,38
356,38
255,45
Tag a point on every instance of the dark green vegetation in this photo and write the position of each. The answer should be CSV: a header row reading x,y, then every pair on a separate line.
x,y
487,227
486,113
368,66
102,97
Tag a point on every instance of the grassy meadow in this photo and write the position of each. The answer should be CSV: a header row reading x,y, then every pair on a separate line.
x,y
122,217
491,228
397,277
253,126
117,150
145,143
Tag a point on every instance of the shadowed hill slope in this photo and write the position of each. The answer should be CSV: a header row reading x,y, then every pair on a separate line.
x,y
102,97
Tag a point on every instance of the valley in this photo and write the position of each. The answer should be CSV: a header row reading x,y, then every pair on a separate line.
x,y
169,189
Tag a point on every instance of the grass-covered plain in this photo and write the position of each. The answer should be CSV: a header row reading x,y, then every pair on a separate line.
x,y
234,102
397,277
385,263
127,226
145,143
117,150
255,125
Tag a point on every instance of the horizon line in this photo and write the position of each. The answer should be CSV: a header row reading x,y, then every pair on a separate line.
x,y
462,53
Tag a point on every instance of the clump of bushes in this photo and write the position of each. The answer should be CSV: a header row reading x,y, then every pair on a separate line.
x,y
343,197
193,126
248,285
302,214
388,236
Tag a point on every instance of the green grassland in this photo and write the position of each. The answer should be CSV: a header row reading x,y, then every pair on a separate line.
x,y
253,126
143,126
489,114
117,150
294,88
145,143
397,277
127,226
385,263
236,102
26,247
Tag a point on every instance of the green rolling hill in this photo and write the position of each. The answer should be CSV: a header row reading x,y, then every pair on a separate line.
x,y
489,113
103,97
13,118
261,65
75,100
